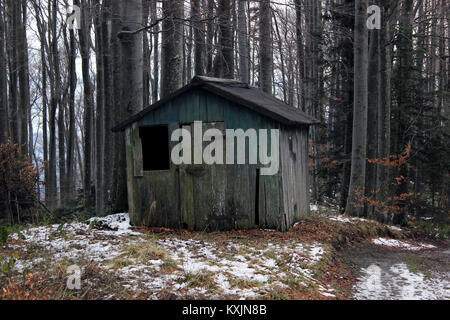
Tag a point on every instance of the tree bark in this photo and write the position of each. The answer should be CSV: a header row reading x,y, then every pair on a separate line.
x,y
70,187
99,113
244,70
210,37
300,53
54,99
372,116
172,47
109,102
199,39
384,107
13,73
224,60
155,82
119,201
24,82
266,43
88,98
4,134
405,97
146,52
359,139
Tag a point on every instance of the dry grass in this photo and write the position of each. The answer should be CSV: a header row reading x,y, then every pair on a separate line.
x,y
144,252
204,280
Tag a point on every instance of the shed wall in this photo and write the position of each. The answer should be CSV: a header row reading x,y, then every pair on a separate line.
x,y
154,197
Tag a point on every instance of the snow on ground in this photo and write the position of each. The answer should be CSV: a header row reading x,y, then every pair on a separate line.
x,y
346,219
399,283
401,244
394,228
340,219
241,269
77,239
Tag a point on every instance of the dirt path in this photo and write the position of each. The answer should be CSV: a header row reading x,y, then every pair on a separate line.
x,y
392,274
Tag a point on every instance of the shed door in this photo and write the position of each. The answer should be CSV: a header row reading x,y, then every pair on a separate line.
x,y
202,187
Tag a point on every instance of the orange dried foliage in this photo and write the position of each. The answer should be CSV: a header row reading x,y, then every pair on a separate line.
x,y
390,205
18,177
33,288
393,160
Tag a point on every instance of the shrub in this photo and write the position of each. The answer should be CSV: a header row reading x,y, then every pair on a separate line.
x,y
18,183
32,288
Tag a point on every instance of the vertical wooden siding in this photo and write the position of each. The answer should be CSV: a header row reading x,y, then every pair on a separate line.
x,y
155,198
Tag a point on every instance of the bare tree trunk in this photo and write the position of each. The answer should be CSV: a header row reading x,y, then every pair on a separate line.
x,y
57,104
3,82
172,47
266,51
70,181
146,59
99,113
155,83
199,39
187,52
384,106
372,116
405,95
300,53
109,102
24,82
13,67
280,50
44,46
359,141
210,37
119,188
224,60
84,36
54,100
244,55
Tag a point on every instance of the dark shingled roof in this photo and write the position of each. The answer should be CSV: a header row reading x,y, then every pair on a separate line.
x,y
239,92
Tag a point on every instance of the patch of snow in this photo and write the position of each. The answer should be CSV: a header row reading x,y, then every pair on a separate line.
x,y
119,223
395,228
326,294
401,244
399,283
313,207
316,253
104,238
340,219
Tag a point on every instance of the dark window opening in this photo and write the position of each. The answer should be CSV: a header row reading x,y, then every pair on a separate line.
x,y
155,148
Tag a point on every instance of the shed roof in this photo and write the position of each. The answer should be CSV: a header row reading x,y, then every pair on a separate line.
x,y
239,92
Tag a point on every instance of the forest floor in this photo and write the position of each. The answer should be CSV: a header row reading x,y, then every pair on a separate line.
x,y
324,257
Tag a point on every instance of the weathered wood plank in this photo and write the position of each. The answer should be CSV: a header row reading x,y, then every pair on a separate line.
x,y
187,193
137,152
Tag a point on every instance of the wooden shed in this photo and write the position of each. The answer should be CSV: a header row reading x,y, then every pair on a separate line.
x,y
217,196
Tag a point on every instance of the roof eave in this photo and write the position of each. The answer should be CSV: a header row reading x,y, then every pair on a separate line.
x,y
138,116
197,82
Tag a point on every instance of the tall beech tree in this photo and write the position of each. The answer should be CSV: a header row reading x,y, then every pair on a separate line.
x,y
381,96
172,47
359,138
